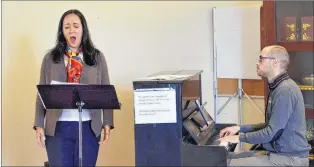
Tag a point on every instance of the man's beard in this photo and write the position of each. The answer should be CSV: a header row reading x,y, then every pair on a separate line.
x,y
261,74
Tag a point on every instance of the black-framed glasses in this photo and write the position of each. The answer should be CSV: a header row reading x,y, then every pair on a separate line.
x,y
264,57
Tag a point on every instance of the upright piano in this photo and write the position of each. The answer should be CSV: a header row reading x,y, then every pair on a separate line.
x,y
171,124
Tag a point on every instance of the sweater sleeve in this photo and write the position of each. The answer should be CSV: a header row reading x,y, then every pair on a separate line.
x,y
281,112
105,80
40,111
251,128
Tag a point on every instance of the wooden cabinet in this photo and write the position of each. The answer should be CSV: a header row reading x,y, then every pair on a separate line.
x,y
291,25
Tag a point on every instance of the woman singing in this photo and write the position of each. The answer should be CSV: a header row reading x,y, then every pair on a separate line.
x,y
73,59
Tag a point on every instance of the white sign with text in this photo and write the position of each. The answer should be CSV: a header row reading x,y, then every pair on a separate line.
x,y
155,106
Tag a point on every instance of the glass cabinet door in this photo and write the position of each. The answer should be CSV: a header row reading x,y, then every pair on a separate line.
x,y
294,22
302,72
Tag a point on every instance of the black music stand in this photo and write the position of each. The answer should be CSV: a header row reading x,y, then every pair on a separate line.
x,y
76,96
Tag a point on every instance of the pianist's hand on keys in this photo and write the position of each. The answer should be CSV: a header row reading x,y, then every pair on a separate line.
x,y
230,139
229,131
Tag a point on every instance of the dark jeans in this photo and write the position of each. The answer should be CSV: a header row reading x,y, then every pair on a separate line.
x,y
63,149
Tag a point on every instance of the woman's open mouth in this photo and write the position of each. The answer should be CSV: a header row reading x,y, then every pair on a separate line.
x,y
73,38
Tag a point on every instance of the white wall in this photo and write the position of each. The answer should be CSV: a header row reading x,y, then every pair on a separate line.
x,y
137,38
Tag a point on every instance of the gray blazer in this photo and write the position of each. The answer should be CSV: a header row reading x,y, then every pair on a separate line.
x,y
47,118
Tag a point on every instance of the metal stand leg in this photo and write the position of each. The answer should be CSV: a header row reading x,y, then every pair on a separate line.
x,y
80,104
240,106
227,102
248,97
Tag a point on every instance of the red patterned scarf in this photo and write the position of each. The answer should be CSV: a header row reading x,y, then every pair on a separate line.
x,y
74,66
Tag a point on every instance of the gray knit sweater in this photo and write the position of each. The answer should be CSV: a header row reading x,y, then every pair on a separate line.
x,y
284,131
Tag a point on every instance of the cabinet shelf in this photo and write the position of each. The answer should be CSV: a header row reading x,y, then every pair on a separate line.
x,y
300,46
306,87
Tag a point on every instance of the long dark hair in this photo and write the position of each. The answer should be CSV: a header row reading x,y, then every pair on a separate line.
x,y
91,54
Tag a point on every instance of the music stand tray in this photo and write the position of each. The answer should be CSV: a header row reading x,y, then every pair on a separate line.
x,y
76,96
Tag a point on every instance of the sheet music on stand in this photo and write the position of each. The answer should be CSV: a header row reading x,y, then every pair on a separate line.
x,y
54,82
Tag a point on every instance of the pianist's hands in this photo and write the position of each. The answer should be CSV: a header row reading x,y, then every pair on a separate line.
x,y
229,131
230,139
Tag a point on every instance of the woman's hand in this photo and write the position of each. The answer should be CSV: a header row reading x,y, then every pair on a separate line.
x,y
40,137
106,135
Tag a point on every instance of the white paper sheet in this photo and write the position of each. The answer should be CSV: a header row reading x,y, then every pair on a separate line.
x,y
53,82
165,77
155,106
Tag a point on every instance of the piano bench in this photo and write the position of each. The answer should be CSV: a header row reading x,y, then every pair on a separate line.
x,y
257,147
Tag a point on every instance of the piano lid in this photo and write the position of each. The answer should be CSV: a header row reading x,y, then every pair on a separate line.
x,y
169,76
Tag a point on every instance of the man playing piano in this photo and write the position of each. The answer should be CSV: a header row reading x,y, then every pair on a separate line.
x,y
283,135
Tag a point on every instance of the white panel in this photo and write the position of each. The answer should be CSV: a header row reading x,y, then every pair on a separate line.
x,y
237,41
230,114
